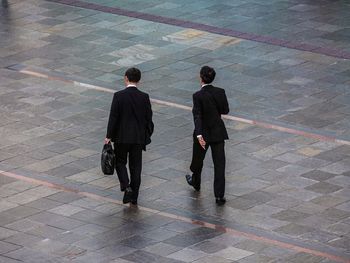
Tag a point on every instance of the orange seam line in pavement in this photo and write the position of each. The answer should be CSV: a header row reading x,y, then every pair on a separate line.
x,y
180,106
182,218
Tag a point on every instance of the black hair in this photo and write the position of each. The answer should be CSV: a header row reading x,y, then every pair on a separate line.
x,y
207,74
133,75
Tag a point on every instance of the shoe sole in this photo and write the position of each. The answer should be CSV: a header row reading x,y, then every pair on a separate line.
x,y
190,184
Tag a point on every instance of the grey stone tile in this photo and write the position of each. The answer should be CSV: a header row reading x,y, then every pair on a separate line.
x,y
4,232
233,253
56,220
259,196
23,239
284,86
328,200
26,253
323,188
252,245
23,225
208,247
243,203
309,208
340,180
293,169
265,209
273,164
44,204
159,234
318,175
64,197
7,247
290,157
257,258
191,237
92,257
22,212
334,214
138,242
227,239
341,242
338,167
313,163
116,250
92,243
69,238
319,236
66,210
314,220
303,257
90,229
180,227
187,255
146,257
294,229
338,228
331,155
4,259
289,215
5,205
301,194
162,249
285,202
209,259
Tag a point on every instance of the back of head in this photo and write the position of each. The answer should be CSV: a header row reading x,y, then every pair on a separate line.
x,y
133,75
207,74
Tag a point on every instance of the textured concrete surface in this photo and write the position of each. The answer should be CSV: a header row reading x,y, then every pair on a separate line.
x,y
280,186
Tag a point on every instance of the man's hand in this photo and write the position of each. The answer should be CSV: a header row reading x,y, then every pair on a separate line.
x,y
107,140
201,141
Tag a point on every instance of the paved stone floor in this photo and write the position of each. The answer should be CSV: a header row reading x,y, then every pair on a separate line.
x,y
288,194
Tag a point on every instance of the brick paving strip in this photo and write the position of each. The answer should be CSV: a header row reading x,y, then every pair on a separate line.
x,y
337,53
239,231
55,76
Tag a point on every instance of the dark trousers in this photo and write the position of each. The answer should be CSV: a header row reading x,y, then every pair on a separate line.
x,y
218,154
133,153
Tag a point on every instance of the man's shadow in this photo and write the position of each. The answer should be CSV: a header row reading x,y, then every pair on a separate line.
x,y
4,11
4,3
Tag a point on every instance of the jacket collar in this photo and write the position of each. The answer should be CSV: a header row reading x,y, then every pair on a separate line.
x,y
206,87
131,88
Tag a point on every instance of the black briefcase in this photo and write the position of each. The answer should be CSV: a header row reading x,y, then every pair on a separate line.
x,y
108,159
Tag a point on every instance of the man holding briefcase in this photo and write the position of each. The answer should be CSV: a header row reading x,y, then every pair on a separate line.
x,y
130,127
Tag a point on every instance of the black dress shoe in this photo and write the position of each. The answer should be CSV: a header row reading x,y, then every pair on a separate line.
x,y
127,195
220,200
189,181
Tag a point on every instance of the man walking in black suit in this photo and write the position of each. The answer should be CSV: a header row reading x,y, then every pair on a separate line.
x,y
208,105
130,127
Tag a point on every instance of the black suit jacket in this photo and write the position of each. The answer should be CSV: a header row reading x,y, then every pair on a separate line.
x,y
130,118
208,105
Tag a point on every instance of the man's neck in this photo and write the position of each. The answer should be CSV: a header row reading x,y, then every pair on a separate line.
x,y
131,84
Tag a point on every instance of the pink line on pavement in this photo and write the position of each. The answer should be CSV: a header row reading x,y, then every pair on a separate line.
x,y
182,218
184,107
